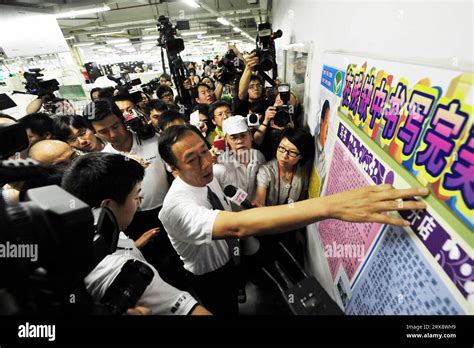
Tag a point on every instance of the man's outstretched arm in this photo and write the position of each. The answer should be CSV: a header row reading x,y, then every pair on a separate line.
x,y
366,204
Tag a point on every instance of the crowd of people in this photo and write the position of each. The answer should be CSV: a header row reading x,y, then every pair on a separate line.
x,y
165,189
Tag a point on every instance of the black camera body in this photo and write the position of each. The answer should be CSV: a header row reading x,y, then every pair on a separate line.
x,y
231,67
265,49
285,112
168,39
137,122
151,86
36,86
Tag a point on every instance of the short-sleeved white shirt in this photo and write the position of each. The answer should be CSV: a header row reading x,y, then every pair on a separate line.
x,y
188,217
228,171
159,296
155,183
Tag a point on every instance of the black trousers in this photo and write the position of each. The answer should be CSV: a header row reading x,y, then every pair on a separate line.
x,y
159,251
217,290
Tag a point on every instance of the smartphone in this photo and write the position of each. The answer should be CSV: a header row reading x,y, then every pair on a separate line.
x,y
219,144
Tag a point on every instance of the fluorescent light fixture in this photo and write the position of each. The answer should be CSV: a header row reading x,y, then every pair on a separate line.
x,y
190,33
151,29
210,36
124,44
191,3
70,14
69,38
151,37
223,21
116,41
108,33
237,29
83,44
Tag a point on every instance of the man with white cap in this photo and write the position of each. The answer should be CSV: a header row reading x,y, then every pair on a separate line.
x,y
238,166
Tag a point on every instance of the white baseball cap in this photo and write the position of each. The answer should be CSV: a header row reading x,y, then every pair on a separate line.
x,y
235,125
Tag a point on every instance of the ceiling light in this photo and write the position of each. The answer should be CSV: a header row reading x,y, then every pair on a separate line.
x,y
69,38
191,3
124,44
108,33
190,33
84,44
70,14
223,21
116,41
237,29
150,29
151,37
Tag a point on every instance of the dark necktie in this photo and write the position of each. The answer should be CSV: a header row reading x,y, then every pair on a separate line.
x,y
232,243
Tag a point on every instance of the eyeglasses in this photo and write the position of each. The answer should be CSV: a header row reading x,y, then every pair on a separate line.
x,y
290,153
257,86
166,95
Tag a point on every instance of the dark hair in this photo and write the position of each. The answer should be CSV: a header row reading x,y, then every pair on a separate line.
x,y
323,111
158,105
215,105
171,136
166,76
62,125
257,77
95,89
39,123
107,93
202,109
195,90
100,110
169,116
94,177
162,89
302,139
124,96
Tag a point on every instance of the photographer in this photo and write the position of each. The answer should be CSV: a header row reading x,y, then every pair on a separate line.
x,y
109,125
54,105
268,133
250,89
93,179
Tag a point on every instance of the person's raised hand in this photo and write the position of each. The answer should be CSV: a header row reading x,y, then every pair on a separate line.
x,y
368,204
146,237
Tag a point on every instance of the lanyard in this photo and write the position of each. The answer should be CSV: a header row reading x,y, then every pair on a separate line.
x,y
291,181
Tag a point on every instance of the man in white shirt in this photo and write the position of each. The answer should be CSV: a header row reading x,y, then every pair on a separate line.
x,y
108,124
91,178
239,165
201,226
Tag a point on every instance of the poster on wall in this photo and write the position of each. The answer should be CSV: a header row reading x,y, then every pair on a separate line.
x,y
408,125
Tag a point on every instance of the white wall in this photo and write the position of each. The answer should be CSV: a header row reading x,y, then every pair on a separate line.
x,y
436,33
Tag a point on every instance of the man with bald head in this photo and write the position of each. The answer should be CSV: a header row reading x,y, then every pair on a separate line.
x,y
52,152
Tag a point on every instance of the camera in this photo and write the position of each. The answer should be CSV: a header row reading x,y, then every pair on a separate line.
x,y
151,86
266,46
253,120
57,240
36,86
138,123
230,67
173,47
284,113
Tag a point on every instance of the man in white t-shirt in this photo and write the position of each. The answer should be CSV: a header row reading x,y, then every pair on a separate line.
x,y
201,226
91,178
108,124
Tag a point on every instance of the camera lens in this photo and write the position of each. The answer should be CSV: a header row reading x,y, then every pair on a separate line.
x,y
282,118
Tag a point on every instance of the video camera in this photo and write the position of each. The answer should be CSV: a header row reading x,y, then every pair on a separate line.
x,y
134,118
50,243
265,50
284,112
230,67
173,46
36,86
151,86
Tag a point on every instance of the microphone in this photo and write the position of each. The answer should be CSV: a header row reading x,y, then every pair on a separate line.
x,y
238,196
